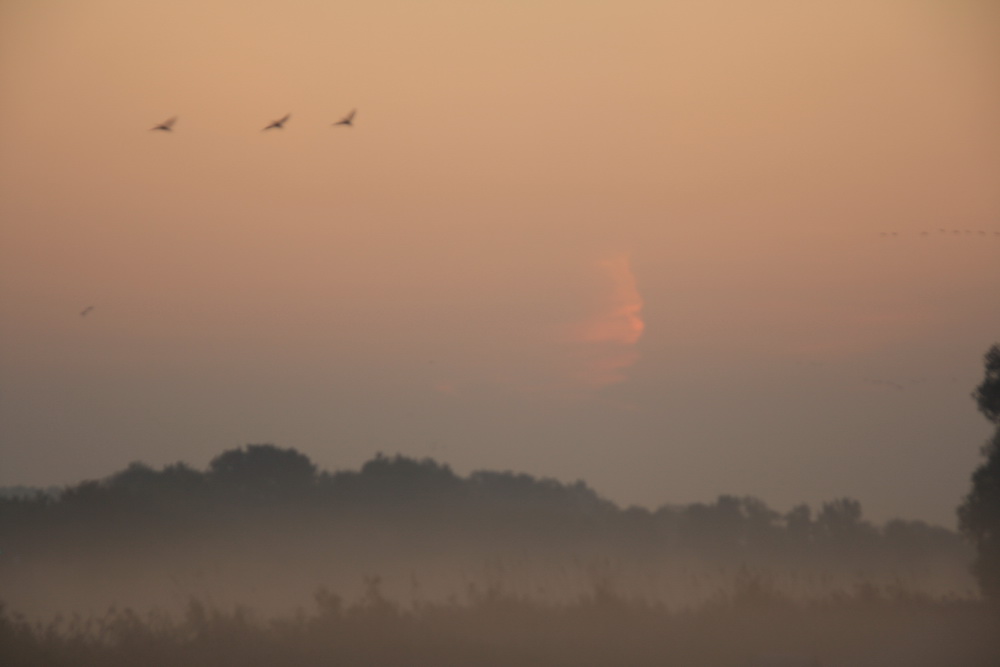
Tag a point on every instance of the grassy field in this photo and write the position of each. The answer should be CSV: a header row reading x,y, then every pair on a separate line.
x,y
752,624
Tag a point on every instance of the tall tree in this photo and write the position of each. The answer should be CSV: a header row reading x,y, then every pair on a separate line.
x,y
979,514
987,394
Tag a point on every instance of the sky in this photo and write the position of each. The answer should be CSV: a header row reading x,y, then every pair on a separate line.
x,y
675,249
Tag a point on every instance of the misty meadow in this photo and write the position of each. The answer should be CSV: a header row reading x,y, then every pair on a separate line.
x,y
263,559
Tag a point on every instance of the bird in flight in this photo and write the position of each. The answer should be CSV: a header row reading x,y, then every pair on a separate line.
x,y
347,120
166,126
278,124
85,311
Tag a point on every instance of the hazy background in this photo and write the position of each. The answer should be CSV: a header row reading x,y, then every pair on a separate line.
x,y
676,249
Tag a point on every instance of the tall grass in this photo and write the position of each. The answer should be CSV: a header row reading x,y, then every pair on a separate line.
x,y
489,626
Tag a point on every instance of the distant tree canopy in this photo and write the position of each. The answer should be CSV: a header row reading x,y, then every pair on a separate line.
x,y
979,514
263,469
259,491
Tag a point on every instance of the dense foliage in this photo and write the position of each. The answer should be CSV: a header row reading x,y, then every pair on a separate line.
x,y
418,500
261,525
979,514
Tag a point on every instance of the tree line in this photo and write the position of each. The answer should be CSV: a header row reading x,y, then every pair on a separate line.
x,y
273,507
421,501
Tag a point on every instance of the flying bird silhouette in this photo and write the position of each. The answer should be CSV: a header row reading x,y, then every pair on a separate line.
x,y
347,120
166,126
83,313
278,124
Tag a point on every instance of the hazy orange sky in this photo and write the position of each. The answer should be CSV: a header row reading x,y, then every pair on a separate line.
x,y
675,249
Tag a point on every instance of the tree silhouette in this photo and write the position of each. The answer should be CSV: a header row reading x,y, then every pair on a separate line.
x,y
263,472
401,484
987,394
979,514
269,505
799,524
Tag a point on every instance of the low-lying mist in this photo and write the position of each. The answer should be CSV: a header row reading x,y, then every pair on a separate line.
x,y
263,527
263,560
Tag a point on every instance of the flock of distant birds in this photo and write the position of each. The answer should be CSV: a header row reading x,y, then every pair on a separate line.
x,y
347,121
168,126
950,232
